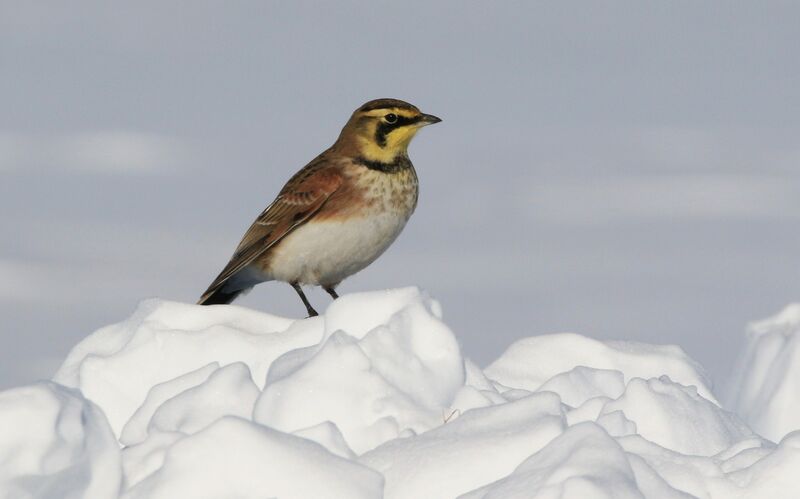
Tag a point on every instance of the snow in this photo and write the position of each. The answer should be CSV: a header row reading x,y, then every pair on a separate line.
x,y
118,365
765,389
583,461
375,399
55,443
237,458
475,448
397,379
672,416
530,362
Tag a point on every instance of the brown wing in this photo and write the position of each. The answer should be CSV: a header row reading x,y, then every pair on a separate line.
x,y
298,201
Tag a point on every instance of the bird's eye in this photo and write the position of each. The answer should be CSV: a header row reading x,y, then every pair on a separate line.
x,y
390,118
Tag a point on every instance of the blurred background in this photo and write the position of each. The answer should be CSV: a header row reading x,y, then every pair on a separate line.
x,y
625,170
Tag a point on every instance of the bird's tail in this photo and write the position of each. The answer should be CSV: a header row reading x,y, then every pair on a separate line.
x,y
218,296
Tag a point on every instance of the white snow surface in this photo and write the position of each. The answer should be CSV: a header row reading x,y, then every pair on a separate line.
x,y
765,389
375,399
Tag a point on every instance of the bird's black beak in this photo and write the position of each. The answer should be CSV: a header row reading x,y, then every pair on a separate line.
x,y
428,119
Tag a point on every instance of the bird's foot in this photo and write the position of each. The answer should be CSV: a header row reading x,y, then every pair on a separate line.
x,y
309,308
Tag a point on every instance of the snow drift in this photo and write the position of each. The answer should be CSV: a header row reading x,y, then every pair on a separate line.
x,y
375,399
766,385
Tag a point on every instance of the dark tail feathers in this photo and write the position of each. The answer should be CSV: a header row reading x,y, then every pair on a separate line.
x,y
218,296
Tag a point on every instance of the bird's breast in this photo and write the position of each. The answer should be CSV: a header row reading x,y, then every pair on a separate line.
x,y
344,238
390,192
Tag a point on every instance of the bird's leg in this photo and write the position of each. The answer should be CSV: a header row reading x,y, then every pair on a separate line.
x,y
331,291
309,308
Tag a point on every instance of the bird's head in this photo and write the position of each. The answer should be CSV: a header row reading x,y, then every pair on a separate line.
x,y
381,129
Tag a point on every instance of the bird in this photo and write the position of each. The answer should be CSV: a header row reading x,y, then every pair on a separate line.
x,y
337,214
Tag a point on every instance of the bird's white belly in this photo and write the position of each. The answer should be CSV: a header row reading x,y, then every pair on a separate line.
x,y
325,252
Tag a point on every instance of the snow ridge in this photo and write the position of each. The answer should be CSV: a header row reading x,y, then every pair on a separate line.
x,y
375,399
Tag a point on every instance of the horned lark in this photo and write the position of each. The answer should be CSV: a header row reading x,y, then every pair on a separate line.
x,y
337,214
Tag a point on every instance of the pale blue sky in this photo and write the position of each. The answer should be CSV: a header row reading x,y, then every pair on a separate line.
x,y
624,170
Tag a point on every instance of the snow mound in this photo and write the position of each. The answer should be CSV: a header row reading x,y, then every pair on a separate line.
x,y
530,362
397,379
118,365
766,384
478,447
583,461
243,459
672,416
55,443
375,399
